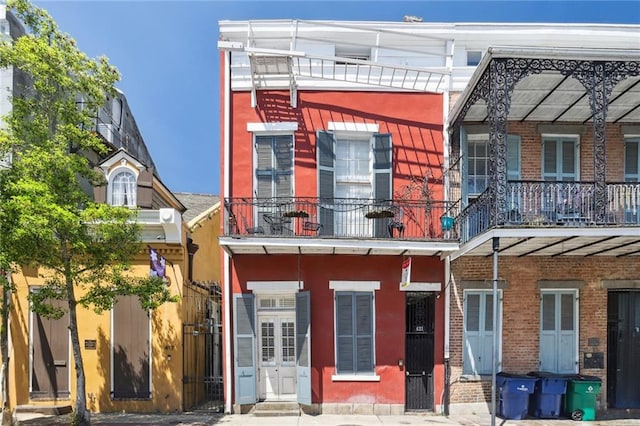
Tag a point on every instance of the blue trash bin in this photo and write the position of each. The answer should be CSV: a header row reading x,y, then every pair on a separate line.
x,y
514,391
547,397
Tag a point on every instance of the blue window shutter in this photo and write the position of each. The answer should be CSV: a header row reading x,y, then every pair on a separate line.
x,y
344,332
472,334
513,157
245,348
303,347
325,151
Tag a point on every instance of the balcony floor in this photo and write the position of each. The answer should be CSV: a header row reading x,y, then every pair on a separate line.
x,y
336,246
556,241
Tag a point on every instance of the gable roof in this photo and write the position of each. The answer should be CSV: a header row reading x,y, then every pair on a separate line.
x,y
196,204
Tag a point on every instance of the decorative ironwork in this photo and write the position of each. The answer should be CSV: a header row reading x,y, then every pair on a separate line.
x,y
496,86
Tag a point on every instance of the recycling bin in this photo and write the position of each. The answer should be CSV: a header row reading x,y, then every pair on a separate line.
x,y
580,400
546,402
514,391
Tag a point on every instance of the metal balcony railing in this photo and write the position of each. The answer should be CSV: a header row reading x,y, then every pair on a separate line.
x,y
543,203
303,217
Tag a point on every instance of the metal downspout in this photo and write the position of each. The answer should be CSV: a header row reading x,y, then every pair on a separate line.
x,y
225,255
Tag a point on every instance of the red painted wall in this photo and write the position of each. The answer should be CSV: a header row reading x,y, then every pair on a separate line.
x,y
413,119
316,272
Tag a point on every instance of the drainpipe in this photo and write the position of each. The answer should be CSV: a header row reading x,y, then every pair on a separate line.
x,y
447,260
225,256
494,352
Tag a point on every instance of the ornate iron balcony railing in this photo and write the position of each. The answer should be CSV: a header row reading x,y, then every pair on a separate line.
x,y
544,203
339,218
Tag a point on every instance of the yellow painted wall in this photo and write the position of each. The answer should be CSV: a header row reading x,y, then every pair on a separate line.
x,y
166,357
206,261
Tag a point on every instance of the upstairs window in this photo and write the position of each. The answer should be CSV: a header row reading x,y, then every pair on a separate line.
x,y
473,57
560,159
632,160
122,189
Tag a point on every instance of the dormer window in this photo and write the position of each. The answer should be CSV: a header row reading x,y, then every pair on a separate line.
x,y
123,188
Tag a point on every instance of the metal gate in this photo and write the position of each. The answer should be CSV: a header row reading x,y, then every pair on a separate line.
x,y
623,372
419,348
202,348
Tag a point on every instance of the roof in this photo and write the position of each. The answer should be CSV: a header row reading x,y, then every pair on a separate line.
x,y
196,204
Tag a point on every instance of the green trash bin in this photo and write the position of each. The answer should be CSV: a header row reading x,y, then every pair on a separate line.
x,y
580,399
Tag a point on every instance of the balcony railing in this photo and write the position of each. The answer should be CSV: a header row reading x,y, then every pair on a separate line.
x,y
542,203
339,218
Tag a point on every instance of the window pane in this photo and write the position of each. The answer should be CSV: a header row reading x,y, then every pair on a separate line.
x,y
549,160
548,311
124,189
566,321
472,316
568,158
631,159
268,341
488,317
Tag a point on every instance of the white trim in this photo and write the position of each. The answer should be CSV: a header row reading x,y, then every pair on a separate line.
x,y
339,126
421,287
355,378
226,292
260,287
279,126
354,285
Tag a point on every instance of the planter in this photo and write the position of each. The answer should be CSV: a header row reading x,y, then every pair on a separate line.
x,y
296,213
379,214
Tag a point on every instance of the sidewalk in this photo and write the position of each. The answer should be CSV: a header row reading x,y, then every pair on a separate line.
x,y
204,419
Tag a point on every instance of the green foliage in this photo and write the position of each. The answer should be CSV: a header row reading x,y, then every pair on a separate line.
x,y
48,217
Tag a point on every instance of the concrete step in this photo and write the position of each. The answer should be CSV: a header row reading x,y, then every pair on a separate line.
x,y
48,410
276,409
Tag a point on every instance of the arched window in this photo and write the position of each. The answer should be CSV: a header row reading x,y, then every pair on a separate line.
x,y
122,190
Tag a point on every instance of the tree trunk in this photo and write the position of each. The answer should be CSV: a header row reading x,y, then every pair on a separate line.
x,y
80,414
4,349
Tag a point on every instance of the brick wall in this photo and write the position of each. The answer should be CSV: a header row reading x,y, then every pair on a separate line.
x,y
521,311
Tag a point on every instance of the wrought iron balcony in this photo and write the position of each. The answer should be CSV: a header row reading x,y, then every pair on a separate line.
x,y
550,204
301,217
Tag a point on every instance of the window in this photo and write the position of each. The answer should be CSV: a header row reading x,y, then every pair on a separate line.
x,y
122,190
560,158
478,162
473,57
478,331
352,166
354,332
274,166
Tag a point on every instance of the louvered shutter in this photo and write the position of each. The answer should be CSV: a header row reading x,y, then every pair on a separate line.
x,y
100,192
303,347
382,173
472,334
145,189
283,150
364,332
325,157
344,332
264,167
245,344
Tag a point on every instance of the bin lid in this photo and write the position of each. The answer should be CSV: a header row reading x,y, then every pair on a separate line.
x,y
546,375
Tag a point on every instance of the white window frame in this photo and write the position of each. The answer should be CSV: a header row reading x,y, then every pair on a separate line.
x,y
470,376
363,287
110,185
475,138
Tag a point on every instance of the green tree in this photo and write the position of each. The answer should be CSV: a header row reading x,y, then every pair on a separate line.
x,y
48,217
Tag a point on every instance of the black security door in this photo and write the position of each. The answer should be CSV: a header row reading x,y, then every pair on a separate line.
x,y
419,351
623,369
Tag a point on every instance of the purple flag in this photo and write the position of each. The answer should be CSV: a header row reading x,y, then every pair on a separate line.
x,y
157,264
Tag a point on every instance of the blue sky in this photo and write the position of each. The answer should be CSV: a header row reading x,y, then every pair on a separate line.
x,y
167,55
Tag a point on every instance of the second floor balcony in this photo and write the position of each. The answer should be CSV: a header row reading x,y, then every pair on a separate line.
x,y
354,226
546,204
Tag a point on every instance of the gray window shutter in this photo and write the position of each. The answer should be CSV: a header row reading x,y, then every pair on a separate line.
x,y
283,150
382,175
264,167
100,192
245,348
364,332
303,347
145,189
567,334
486,341
344,332
325,150
464,167
557,332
